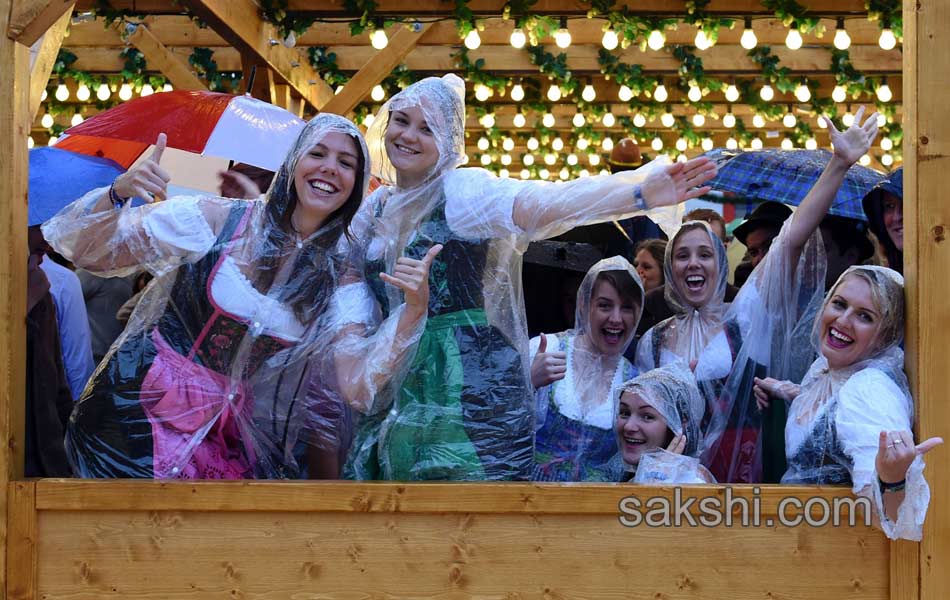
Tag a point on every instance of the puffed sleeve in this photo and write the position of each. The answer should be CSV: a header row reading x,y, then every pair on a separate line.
x,y
868,403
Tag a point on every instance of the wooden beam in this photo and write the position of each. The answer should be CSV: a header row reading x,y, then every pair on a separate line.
x,y
31,18
159,57
239,22
47,50
22,539
375,70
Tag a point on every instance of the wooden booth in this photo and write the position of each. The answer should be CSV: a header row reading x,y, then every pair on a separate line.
x,y
149,539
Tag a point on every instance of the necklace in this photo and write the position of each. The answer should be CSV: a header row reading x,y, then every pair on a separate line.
x,y
299,238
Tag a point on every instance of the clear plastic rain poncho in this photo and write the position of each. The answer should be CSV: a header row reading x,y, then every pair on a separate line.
x,y
463,407
764,334
672,391
683,336
209,379
575,439
834,423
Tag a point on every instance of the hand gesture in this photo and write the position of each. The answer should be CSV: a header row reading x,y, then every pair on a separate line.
x,y
547,367
235,184
147,180
854,143
768,388
678,182
678,445
896,451
412,277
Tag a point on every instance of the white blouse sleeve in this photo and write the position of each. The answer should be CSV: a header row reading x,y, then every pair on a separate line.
x,y
644,358
868,403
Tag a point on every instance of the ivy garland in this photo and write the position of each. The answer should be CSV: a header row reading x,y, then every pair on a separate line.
x,y
771,71
365,10
206,67
324,62
475,73
692,72
887,13
698,16
275,12
791,13
555,67
105,10
535,27
629,28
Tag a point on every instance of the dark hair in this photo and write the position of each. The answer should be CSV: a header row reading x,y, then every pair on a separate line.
x,y
705,214
623,282
848,233
317,264
657,249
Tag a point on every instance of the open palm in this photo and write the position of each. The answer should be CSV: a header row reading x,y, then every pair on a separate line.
x,y
852,144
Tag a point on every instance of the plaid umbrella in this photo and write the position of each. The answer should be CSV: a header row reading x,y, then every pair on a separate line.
x,y
787,175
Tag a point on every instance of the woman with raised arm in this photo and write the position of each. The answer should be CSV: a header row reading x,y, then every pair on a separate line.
x,y
463,409
204,381
850,420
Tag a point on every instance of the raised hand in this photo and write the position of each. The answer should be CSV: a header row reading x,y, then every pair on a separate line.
x,y
768,388
678,183
412,277
678,444
147,180
896,451
851,145
547,367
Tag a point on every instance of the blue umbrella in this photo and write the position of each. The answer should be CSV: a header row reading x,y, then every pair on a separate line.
x,y
57,177
787,175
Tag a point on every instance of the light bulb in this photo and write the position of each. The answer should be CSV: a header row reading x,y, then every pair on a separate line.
x,y
557,144
732,93
125,92
83,93
839,94
52,140
729,120
30,142
787,144
564,173
589,93
593,159
887,40
504,172
44,96
337,90
378,39
62,92
482,92
794,39
802,93
811,143
702,41
695,94
548,120
699,120
528,159
519,120
508,144
146,91
789,120
578,120
473,40
533,144
483,143
76,120
583,173
887,143
168,88
756,144
681,158
732,144
610,39
625,94
103,93
549,159
562,37
486,160
582,143
758,121
766,93
842,39
608,119
544,174
518,38
748,39
681,145
667,119
884,93
554,93
864,160
525,174
639,120
848,119
378,93
656,39
707,144
487,120
659,94
657,144
572,159
608,144
506,159
517,93
887,160
291,40
822,123
604,172
881,120
47,121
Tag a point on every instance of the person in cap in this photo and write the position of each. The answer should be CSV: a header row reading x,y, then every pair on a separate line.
x,y
884,208
846,244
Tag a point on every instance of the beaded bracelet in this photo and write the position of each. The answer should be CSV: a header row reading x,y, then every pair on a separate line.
x,y
897,486
117,200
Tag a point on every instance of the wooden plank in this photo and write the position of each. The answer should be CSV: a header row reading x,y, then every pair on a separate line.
x,y
375,69
31,18
44,60
239,22
21,540
158,57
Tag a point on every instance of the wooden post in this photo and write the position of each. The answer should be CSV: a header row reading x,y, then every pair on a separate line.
x,y
14,129
42,65
927,262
